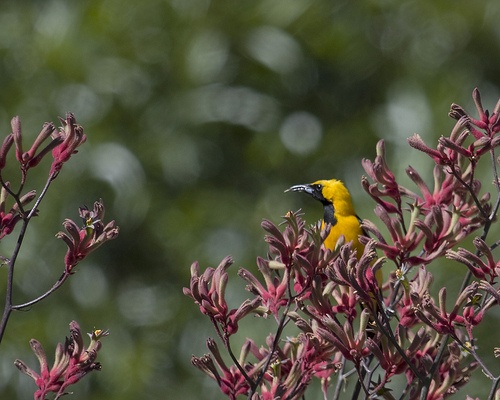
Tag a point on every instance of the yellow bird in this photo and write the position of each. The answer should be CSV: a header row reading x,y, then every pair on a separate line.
x,y
338,211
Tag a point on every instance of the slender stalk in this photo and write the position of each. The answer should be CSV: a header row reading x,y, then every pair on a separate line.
x,y
56,286
10,280
486,371
360,384
9,291
493,389
427,381
473,195
340,380
238,365
281,325
283,321
390,335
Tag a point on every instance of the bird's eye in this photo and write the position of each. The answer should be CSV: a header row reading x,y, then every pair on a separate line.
x,y
318,187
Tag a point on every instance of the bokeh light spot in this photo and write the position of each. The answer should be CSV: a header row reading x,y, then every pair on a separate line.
x,y
301,132
274,48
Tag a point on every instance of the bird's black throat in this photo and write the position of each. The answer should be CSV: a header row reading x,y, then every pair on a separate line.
x,y
329,214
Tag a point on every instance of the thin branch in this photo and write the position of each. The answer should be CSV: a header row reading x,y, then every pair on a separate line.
x,y
283,322
10,280
473,195
390,335
56,286
427,381
340,380
493,390
474,354
8,307
238,365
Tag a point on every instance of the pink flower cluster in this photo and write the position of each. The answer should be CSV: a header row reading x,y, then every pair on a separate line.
x,y
62,144
82,241
347,323
72,362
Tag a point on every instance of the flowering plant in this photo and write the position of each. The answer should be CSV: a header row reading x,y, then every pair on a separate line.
x,y
73,361
346,324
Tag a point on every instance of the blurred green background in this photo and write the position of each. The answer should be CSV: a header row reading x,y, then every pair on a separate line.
x,y
198,115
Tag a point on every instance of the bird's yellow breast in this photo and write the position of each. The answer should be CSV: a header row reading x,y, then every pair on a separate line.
x,y
349,227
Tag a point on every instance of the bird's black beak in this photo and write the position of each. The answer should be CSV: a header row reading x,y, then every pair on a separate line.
x,y
301,188
313,190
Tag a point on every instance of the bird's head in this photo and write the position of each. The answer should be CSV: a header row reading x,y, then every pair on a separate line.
x,y
325,191
328,192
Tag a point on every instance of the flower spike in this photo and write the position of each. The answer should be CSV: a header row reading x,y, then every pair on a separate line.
x,y
82,241
72,362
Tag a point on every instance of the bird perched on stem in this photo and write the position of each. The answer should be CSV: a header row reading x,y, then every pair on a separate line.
x,y
338,211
